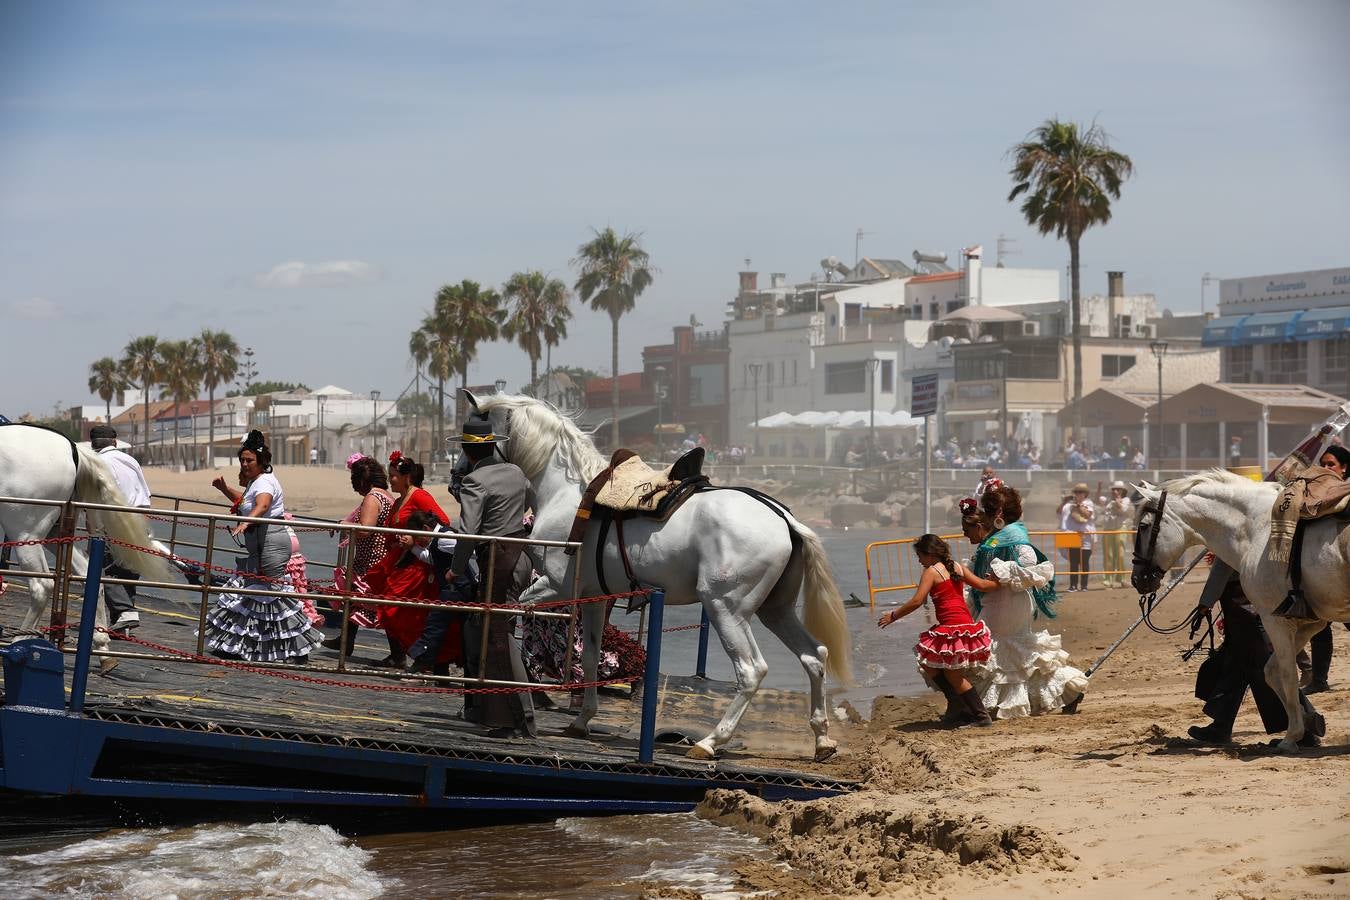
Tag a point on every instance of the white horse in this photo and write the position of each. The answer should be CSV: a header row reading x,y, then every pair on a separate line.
x,y
1230,515
724,549
40,464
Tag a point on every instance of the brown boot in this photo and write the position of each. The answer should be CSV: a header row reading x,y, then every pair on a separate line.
x,y
956,710
976,714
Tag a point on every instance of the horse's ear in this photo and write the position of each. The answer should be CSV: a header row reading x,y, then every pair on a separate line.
x,y
472,400
1145,488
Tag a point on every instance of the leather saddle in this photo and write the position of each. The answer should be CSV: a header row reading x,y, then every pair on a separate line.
x,y
629,487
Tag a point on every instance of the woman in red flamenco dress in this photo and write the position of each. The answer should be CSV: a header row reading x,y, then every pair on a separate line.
x,y
956,644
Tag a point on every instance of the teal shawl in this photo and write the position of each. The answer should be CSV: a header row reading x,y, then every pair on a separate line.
x,y
1003,545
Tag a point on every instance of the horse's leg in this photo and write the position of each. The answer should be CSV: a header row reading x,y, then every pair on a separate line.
x,y
1282,674
33,558
779,615
80,564
593,629
739,642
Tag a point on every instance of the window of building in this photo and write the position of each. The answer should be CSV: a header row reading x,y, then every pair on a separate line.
x,y
768,373
888,376
1116,364
933,310
1336,361
918,311
845,377
852,313
794,371
954,305
1287,363
782,371
705,385
1239,364
1028,361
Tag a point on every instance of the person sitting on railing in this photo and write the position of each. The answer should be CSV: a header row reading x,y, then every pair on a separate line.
x,y
406,573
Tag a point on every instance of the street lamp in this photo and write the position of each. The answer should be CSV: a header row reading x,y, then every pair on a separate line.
x,y
1205,280
230,404
1159,349
754,375
870,364
321,398
1004,354
374,414
500,385
659,393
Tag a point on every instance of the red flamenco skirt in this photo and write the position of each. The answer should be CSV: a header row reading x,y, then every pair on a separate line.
x,y
954,646
411,581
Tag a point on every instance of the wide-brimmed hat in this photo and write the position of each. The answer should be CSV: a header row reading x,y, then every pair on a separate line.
x,y
1118,486
477,430
1080,486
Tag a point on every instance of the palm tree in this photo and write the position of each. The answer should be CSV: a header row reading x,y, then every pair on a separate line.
x,y
475,316
613,272
179,374
140,365
106,379
1069,175
538,315
219,357
433,346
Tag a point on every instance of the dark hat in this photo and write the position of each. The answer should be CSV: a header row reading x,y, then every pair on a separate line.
x,y
477,430
106,432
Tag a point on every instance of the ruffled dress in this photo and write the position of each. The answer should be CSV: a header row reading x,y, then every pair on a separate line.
x,y
1028,672
957,641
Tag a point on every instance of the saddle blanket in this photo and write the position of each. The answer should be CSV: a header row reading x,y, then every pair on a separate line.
x,y
1314,493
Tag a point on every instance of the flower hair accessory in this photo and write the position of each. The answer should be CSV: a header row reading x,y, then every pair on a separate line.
x,y
395,456
968,506
354,458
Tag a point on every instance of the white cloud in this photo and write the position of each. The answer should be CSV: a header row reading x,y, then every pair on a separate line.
x,y
298,274
34,309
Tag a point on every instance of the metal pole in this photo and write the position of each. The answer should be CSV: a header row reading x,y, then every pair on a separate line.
x,y
206,585
348,557
1139,621
79,678
927,477
701,668
487,611
651,678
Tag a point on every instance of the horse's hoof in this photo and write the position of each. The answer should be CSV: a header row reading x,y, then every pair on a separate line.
x,y
825,750
700,751
577,731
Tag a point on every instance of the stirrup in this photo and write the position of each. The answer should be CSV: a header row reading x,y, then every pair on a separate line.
x,y
635,602
1295,606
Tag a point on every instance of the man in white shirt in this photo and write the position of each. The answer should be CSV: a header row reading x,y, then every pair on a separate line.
x,y
120,598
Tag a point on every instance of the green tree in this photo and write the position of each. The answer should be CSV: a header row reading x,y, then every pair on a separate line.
x,y
219,357
613,272
179,375
140,365
475,315
433,346
259,388
106,379
538,315
1069,176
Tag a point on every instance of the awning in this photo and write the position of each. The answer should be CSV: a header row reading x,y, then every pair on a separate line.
x,y
1267,328
1316,324
1221,332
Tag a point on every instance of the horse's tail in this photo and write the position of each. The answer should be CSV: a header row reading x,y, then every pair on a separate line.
x,y
825,618
95,484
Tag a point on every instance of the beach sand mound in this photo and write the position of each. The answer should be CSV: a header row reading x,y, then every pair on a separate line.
x,y
868,841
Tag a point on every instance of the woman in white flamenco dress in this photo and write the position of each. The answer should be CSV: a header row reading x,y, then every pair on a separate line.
x,y
1012,587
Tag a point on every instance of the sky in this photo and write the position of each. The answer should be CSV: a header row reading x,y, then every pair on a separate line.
x,y
307,175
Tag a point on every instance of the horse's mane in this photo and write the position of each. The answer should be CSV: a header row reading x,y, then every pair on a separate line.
x,y
538,431
1210,476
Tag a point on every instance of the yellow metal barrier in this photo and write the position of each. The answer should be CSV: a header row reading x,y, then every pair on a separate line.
x,y
892,567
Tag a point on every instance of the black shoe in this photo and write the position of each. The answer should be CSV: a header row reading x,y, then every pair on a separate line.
x,y
1314,723
1210,734
335,642
1071,708
390,662
1317,686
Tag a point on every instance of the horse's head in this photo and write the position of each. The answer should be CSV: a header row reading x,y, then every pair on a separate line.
x,y
1160,537
537,432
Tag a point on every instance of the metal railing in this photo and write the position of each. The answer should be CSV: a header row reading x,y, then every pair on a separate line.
x,y
64,574
892,566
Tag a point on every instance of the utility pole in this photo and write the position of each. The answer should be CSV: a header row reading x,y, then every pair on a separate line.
x,y
1159,349
374,415
1004,354
871,364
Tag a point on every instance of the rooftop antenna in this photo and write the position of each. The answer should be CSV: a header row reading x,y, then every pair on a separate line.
x,y
857,244
1004,249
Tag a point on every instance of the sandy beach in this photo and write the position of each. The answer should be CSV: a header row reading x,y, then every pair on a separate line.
x,y
1115,801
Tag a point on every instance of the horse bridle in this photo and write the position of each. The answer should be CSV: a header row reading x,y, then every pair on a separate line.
x,y
1146,571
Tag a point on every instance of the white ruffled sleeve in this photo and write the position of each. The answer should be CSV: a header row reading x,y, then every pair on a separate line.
x,y
1026,573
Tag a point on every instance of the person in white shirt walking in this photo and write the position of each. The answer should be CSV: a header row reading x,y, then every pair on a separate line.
x,y
120,599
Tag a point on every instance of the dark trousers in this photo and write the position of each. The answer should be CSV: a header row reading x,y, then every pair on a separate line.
x,y
118,598
464,589
1080,560
1241,664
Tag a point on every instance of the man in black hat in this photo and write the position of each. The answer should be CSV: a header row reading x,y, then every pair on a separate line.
x,y
494,498
120,598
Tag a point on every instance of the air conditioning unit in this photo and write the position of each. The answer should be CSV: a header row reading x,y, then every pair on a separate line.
x,y
1142,330
1031,329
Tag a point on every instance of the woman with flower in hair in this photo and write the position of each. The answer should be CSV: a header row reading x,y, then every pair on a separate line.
x,y
1012,585
374,510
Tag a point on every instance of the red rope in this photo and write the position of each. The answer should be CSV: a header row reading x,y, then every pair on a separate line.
x,y
333,682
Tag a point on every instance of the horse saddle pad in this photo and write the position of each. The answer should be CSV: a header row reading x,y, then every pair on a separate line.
x,y
1315,493
630,486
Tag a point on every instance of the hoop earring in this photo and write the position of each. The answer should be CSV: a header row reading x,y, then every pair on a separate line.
x,y
999,523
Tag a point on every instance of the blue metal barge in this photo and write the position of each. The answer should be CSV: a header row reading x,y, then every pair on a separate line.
x,y
157,731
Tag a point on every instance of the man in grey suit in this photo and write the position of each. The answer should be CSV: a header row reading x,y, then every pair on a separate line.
x,y
494,498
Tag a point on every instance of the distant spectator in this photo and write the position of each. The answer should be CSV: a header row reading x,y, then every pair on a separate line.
x,y
1235,451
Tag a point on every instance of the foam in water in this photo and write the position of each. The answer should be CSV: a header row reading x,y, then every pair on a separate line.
x,y
273,859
